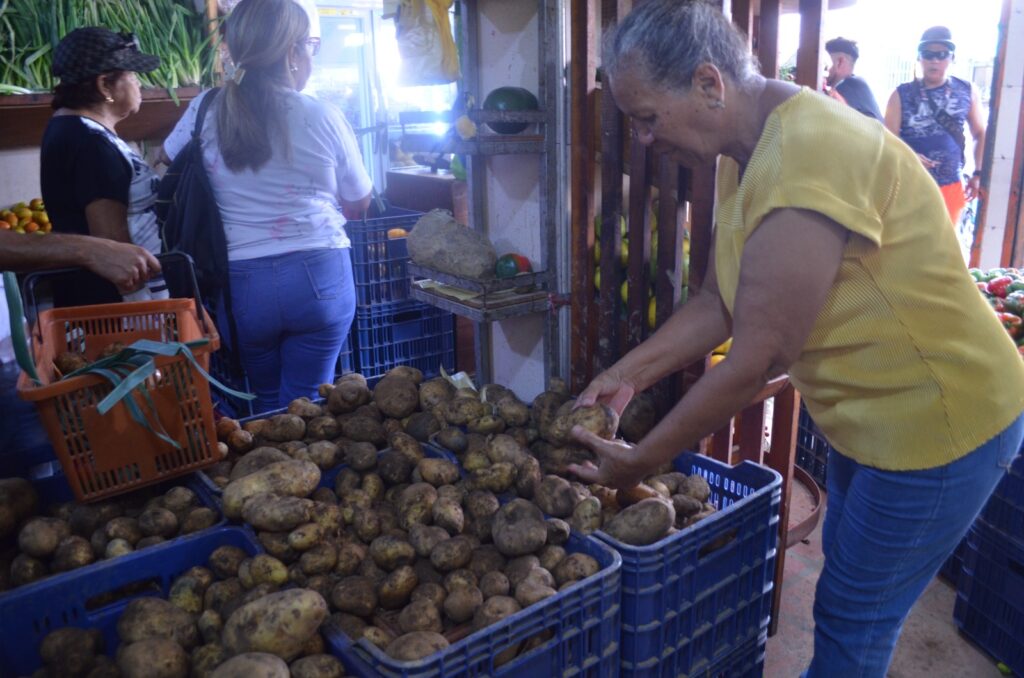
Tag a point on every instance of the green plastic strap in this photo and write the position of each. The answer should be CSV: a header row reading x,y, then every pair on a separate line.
x,y
177,348
17,314
133,408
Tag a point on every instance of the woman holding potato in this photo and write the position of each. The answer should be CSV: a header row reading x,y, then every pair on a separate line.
x,y
283,167
826,271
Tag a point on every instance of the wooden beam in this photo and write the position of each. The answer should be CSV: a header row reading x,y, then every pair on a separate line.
x,y
743,17
808,55
639,245
768,38
583,93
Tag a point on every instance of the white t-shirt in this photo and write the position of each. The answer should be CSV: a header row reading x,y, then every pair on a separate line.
x,y
289,204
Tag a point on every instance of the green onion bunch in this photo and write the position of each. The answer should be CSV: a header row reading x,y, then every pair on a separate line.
x,y
170,29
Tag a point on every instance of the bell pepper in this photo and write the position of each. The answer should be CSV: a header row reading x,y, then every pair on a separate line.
x,y
1016,286
1011,323
983,288
976,273
1014,302
999,286
997,304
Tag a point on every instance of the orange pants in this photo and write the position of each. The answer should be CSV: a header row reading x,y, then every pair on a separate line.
x,y
953,196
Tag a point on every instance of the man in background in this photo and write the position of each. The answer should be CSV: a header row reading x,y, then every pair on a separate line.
x,y
843,84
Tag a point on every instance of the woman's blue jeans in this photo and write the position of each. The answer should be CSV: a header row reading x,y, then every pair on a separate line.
x,y
292,312
886,534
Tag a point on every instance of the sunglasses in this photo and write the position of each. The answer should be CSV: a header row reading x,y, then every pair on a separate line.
x,y
934,55
312,46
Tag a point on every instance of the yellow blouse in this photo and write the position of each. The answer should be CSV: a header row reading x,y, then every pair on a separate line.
x,y
907,367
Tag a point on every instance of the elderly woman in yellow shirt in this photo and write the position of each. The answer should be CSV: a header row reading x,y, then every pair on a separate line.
x,y
833,262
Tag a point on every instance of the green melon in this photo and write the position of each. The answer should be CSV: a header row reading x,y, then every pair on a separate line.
x,y
510,99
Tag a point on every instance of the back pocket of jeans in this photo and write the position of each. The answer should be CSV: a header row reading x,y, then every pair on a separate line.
x,y
324,274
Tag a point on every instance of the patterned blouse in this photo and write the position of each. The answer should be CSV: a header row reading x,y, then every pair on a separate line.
x,y
925,135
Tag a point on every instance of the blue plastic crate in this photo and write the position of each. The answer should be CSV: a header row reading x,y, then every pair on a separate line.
x,y
1005,508
222,370
346,359
812,448
990,598
952,569
746,661
691,599
74,598
408,333
583,621
379,263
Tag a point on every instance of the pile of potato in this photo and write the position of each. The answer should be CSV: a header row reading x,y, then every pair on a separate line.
x,y
224,620
74,535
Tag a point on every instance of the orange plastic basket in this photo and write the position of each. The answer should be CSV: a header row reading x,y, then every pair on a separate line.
x,y
104,455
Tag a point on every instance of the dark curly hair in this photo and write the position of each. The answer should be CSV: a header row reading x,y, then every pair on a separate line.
x,y
82,94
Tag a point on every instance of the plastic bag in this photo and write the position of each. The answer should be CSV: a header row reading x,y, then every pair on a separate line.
x,y
425,43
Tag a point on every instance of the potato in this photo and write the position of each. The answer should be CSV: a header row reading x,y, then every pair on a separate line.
x,y
586,517
320,559
396,396
407,372
224,427
347,480
475,461
363,430
280,623
349,393
148,618
486,424
290,478
72,552
355,595
70,361
366,523
317,666
422,425
224,560
206,658
85,518
256,426
555,497
574,567
394,467
434,392
305,537
198,519
252,665
266,569
378,636
438,472
461,578
323,428
270,512
642,523
70,651
685,506
638,418
117,547
447,514
324,454
424,538
426,573
240,442
558,531
349,624
406,445
158,522
452,554
495,478
451,438
462,603
416,645
256,460
486,559
494,583
391,552
628,497
430,592
221,595
153,658
420,615
394,592
40,536
460,411
519,528
512,411
285,427
350,555
305,408
544,409
210,624
518,569
695,486
415,505
532,591
187,593
550,556
494,610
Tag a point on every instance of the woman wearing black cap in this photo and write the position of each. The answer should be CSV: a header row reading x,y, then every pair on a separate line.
x,y
929,114
93,183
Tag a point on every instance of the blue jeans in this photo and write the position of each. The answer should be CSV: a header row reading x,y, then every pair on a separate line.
x,y
293,312
23,441
886,534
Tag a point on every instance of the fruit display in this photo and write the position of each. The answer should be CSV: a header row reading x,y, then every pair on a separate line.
x,y
30,217
510,99
1003,289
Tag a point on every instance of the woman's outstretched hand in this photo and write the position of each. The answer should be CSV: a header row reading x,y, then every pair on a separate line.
x,y
618,465
610,388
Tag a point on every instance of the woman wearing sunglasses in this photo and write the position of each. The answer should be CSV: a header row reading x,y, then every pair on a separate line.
x,y
283,166
93,183
929,114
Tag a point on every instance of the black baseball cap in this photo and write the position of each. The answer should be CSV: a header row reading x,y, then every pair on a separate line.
x,y
843,46
87,52
939,34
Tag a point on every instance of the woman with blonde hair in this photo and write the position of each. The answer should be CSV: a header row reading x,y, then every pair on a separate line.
x,y
285,169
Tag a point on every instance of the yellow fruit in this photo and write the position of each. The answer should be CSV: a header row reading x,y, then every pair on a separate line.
x,y
652,312
624,291
22,222
597,251
397,233
715,359
42,218
597,279
36,203
19,206
465,128
31,227
724,347
23,213
624,254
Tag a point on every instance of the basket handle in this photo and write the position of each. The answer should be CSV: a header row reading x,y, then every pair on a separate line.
x,y
32,279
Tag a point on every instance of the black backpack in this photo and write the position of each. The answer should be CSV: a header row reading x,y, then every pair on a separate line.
x,y
190,222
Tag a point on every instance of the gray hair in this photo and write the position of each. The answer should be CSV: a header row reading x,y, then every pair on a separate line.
x,y
669,39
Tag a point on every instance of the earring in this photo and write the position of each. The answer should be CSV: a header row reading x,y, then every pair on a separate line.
x,y
294,69
718,103
108,99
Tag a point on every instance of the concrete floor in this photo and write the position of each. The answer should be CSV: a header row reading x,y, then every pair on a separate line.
x,y
930,646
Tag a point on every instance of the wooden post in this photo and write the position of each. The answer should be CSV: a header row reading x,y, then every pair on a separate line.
x,y
743,17
583,40
781,457
768,38
808,55
639,244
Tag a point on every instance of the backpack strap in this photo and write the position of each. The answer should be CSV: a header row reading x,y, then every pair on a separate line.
x,y
945,121
204,106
